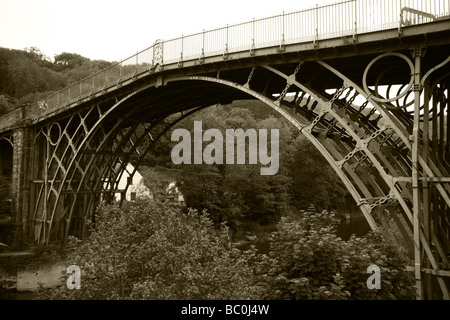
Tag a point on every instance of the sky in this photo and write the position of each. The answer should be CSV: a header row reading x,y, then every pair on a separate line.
x,y
113,30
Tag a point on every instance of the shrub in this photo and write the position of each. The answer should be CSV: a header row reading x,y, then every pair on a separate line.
x,y
148,250
308,261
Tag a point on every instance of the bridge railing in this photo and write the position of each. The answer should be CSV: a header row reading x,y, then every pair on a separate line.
x,y
346,18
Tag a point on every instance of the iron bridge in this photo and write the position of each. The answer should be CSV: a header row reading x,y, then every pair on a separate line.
x,y
366,81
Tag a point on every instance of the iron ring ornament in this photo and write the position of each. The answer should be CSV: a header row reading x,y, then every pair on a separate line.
x,y
374,94
53,134
158,52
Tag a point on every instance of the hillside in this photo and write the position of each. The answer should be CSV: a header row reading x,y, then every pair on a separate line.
x,y
27,75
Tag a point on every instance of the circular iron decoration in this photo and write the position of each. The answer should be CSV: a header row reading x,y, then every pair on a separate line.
x,y
374,94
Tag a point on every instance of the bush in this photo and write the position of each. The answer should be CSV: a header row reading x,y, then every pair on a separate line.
x,y
5,105
308,261
148,250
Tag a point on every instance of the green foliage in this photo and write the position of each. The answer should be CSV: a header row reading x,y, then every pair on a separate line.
x,y
238,193
6,104
5,195
314,180
235,193
308,261
28,75
39,57
148,250
66,61
157,179
5,187
81,69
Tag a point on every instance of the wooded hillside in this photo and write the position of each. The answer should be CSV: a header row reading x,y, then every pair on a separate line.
x,y
28,75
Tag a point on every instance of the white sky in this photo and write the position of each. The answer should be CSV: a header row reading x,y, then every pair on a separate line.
x,y
116,29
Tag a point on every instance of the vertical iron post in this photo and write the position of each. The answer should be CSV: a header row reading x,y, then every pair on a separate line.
x,y
252,48
400,20
180,62
316,37
282,36
202,56
417,211
225,53
355,31
425,186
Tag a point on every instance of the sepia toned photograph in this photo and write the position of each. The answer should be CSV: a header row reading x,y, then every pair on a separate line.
x,y
224,157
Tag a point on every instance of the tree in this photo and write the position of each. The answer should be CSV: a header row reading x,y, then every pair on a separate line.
x,y
25,76
69,60
150,250
5,105
29,75
314,180
38,56
5,195
83,69
237,193
308,261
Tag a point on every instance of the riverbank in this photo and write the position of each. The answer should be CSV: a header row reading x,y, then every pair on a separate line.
x,y
23,272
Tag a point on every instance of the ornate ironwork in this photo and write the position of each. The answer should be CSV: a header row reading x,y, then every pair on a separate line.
x,y
158,53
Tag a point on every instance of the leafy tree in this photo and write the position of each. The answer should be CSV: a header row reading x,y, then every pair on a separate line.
x,y
5,194
314,180
83,69
149,250
6,105
28,75
31,98
308,261
35,54
157,179
238,193
230,192
5,187
24,76
66,60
